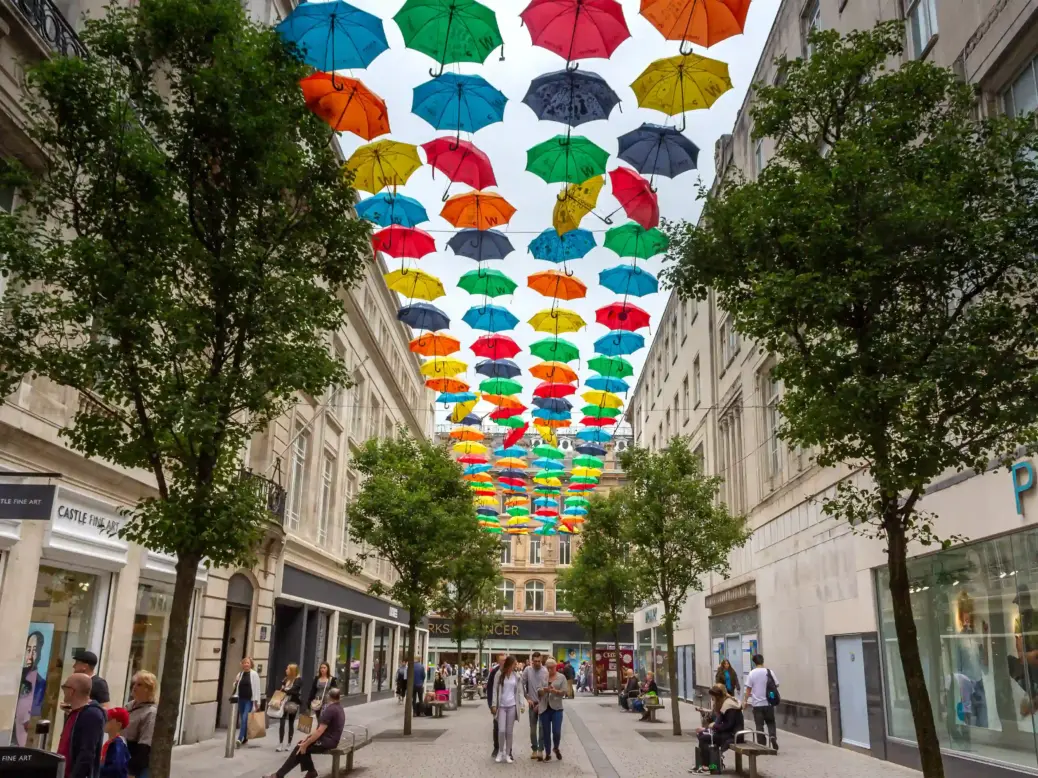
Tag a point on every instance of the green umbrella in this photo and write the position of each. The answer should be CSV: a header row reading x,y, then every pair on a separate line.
x,y
583,479
616,367
546,490
492,283
517,511
449,30
598,412
578,502
505,386
544,450
512,421
549,474
573,160
555,349
633,240
494,530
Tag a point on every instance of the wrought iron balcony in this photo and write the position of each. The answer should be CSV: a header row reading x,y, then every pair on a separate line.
x,y
272,492
49,23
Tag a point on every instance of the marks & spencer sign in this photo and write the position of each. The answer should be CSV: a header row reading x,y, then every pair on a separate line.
x,y
28,502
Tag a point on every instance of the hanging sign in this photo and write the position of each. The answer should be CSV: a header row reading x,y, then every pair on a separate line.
x,y
31,502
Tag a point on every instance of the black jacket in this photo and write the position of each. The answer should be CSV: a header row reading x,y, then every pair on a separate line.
x,y
333,684
84,745
632,689
490,685
730,721
293,693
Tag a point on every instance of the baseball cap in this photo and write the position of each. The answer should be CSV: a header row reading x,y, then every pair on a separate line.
x,y
86,657
121,715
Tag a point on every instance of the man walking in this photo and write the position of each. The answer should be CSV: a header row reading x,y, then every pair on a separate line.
x,y
86,662
568,674
83,733
419,682
490,700
324,738
756,693
535,677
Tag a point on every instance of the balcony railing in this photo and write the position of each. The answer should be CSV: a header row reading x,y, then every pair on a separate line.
x,y
273,493
49,23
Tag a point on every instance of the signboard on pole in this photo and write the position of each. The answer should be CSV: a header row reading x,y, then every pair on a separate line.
x,y
30,763
27,502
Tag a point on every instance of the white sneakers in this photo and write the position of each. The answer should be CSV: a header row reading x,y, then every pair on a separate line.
x,y
510,760
499,758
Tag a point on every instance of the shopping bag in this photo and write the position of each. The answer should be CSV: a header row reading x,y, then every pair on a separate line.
x,y
305,723
257,726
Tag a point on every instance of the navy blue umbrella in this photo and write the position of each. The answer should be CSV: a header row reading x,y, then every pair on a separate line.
x,y
487,511
553,403
498,368
481,245
658,151
423,316
472,420
592,449
572,97
512,474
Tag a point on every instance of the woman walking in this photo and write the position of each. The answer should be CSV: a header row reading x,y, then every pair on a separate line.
x,y
323,682
508,705
142,710
292,686
728,678
247,689
551,697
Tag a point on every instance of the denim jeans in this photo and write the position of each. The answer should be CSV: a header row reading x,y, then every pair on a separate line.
x,y
551,724
244,709
535,729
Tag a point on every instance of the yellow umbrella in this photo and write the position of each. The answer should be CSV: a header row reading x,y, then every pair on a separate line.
x,y
557,321
383,163
603,399
461,410
546,432
415,284
591,472
576,202
486,500
548,481
515,502
469,447
511,463
466,433
449,367
683,83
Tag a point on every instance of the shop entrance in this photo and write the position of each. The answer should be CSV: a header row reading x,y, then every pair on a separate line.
x,y
235,641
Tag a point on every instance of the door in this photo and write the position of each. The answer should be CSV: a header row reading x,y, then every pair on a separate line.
x,y
235,644
733,651
850,678
690,672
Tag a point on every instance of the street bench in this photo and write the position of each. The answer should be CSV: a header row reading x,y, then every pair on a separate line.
x,y
471,692
751,750
437,708
651,709
350,743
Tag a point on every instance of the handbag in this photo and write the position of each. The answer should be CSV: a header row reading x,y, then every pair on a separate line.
x,y
275,707
291,708
257,725
305,723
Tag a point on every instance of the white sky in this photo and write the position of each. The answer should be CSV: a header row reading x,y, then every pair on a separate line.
x,y
395,73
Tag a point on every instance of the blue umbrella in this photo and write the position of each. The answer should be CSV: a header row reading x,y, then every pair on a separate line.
x,y
512,474
492,318
423,316
511,451
551,246
630,280
572,97
548,464
475,469
456,397
575,512
544,502
658,150
487,511
607,384
459,103
480,245
592,449
553,403
595,435
472,420
334,35
386,209
544,413
498,368
619,342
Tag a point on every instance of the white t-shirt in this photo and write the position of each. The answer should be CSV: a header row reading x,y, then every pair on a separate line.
x,y
757,683
508,687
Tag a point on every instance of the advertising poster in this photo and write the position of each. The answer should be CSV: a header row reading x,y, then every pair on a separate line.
x,y
605,665
574,655
33,682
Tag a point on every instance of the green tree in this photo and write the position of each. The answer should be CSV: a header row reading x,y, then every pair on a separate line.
x,y
678,533
888,255
415,511
583,599
177,263
485,614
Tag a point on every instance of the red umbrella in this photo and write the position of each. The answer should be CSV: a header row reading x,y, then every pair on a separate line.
x,y
495,347
545,512
592,421
546,389
577,29
506,413
509,481
472,459
397,241
515,435
622,316
461,161
488,492
636,196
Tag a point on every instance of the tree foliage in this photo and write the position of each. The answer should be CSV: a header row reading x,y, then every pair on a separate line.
x,y
888,255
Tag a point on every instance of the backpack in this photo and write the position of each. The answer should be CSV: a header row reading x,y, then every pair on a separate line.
x,y
771,692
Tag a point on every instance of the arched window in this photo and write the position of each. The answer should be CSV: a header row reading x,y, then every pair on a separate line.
x,y
534,596
506,590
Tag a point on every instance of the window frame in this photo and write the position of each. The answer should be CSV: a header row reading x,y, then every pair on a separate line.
x,y
535,543
298,478
535,587
910,7
506,551
1007,95
810,20
324,514
565,541
504,589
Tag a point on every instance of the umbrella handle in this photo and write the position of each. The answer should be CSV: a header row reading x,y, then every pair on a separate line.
x,y
681,48
572,66
684,121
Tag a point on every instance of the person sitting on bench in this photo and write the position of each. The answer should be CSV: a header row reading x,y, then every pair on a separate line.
x,y
324,738
630,691
713,740
649,687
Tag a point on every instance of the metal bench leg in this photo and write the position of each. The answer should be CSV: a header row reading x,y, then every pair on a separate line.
x,y
349,762
738,763
753,765
335,766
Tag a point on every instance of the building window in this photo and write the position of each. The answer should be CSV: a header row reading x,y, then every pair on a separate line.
x,y
922,25
654,446
729,342
758,156
666,357
506,590
684,320
666,418
349,654
333,402
565,550
352,486
7,206
699,454
535,550
731,465
697,383
150,629
297,488
356,401
686,398
1022,95
561,605
771,395
676,414
506,551
674,334
534,597
327,498
809,22
652,381
380,666
374,414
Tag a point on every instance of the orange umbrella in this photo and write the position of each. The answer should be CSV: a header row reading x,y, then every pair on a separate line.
x,y
479,209
503,402
483,478
466,433
450,385
435,344
515,502
705,22
555,283
346,105
554,424
556,372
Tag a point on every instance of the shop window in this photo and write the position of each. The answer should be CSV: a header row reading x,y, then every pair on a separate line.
x,y
349,656
380,670
150,628
506,590
534,596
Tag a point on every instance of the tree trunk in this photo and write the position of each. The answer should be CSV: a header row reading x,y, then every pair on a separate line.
x,y
672,671
480,642
619,660
412,633
594,666
908,648
173,667
457,668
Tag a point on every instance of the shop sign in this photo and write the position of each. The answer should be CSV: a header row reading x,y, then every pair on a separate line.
x,y
605,664
496,630
84,518
28,502
30,763
652,615
1021,485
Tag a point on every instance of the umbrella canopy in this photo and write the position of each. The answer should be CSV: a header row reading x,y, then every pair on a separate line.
x,y
595,436
498,368
553,247
345,105
489,283
480,245
492,318
505,386
334,35
576,29
460,161
583,461
548,389
603,399
435,344
515,422
448,367
557,320
542,413
512,463
414,284
518,511
382,163
684,83
619,342
633,240
552,403
629,280
582,471
486,511
514,502
566,159
460,414
636,196
464,433
472,459
546,512
388,208
510,451
704,22
471,419
469,447
622,316
495,347
553,283
544,502
575,202
470,469
572,97
479,209
618,367
548,464
456,397
449,30
591,449
478,478
554,371
575,512
658,151
550,481
423,316
557,349
549,452
600,412
456,102
499,414
501,401
607,384
515,435
397,241
447,385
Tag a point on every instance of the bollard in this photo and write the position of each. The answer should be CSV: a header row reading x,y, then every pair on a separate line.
x,y
42,730
232,728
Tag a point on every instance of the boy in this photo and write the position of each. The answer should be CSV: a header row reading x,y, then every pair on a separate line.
x,y
115,754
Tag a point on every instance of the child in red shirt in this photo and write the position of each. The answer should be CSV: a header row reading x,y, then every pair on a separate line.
x,y
115,754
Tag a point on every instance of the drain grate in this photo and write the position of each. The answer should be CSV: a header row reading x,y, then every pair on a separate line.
x,y
416,734
655,734
608,705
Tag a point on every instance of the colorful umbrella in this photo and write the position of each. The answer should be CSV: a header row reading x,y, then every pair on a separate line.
x,y
607,384
461,411
423,316
472,459
448,367
552,403
477,469
549,452
435,344
345,104
510,451
575,202
553,247
511,463
505,413
583,461
619,342
658,151
630,280
501,401
603,399
633,240
550,389
472,420
515,435
595,436
572,97
545,512
449,30
492,318
447,385
582,471
464,433
503,386
636,196
591,449
598,411
557,320
518,511
460,103
382,163
480,245
566,159
334,35
576,29
516,502
684,83
617,367
460,161
498,368
489,283
552,283
622,316
704,22
495,347
514,422
548,464
597,421
397,241
541,413
575,512
554,371
478,209
387,208
414,284
555,349
456,397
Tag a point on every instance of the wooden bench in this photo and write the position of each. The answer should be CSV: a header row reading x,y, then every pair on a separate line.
x,y
471,692
350,743
751,751
651,710
437,708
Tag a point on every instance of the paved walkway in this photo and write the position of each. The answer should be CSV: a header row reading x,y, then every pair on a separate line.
x,y
598,740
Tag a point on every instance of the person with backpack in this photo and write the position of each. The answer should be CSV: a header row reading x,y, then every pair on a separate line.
x,y
763,695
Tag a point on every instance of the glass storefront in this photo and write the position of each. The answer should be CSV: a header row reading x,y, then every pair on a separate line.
x,y
660,656
380,670
150,627
349,654
975,612
643,653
